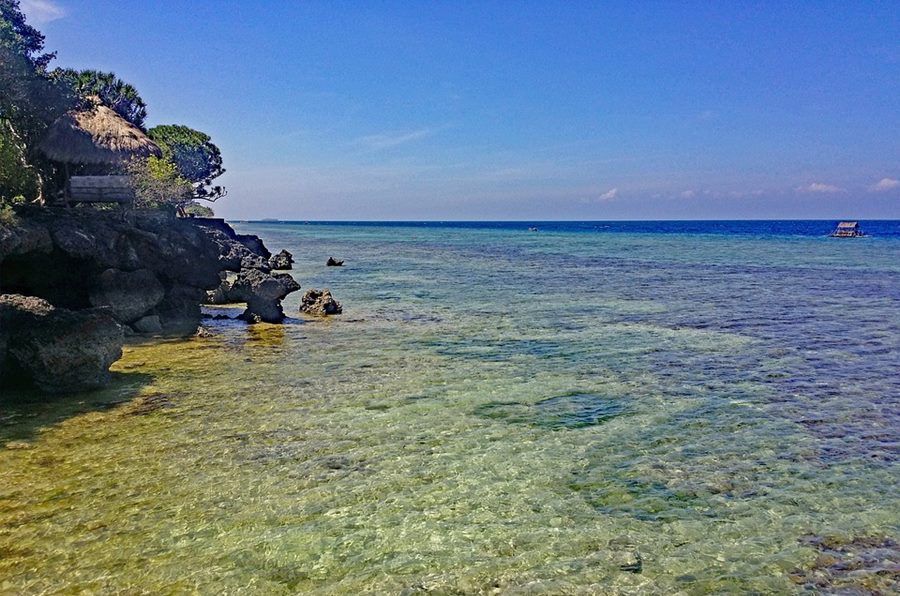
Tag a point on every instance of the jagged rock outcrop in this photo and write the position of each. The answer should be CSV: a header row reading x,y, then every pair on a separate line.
x,y
129,294
282,261
255,283
148,264
263,293
319,303
332,262
59,350
147,270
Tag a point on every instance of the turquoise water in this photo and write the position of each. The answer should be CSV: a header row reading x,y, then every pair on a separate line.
x,y
496,411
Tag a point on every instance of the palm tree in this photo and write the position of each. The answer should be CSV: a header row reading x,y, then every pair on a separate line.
x,y
111,91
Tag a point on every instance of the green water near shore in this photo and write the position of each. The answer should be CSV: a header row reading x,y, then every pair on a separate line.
x,y
492,414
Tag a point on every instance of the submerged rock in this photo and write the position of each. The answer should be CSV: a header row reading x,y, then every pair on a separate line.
x,y
59,350
283,260
570,410
320,303
851,565
332,262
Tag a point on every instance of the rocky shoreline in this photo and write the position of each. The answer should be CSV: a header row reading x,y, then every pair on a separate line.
x,y
75,283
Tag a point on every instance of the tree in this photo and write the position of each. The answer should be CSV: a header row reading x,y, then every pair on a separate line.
x,y
112,92
21,38
198,160
16,178
29,100
157,184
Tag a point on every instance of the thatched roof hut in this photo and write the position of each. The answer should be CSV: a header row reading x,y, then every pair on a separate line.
x,y
95,136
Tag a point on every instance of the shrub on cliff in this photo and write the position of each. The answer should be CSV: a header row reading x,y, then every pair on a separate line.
x,y
157,184
195,156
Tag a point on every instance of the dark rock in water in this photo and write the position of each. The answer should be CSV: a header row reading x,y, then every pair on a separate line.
x,y
851,565
572,410
129,294
320,303
282,260
148,324
627,555
203,332
57,349
575,410
332,262
263,293
254,244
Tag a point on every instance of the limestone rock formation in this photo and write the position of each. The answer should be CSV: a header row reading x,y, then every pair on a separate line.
x,y
319,303
263,293
80,272
283,260
129,294
59,350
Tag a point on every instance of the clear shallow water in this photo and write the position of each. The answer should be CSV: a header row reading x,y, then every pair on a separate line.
x,y
496,411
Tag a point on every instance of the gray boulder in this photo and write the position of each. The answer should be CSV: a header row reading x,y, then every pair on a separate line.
x,y
263,293
129,294
283,260
320,303
148,324
57,349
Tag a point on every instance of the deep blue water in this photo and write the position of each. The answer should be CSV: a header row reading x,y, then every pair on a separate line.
x,y
883,228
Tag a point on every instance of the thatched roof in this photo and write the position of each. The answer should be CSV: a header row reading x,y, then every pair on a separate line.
x,y
95,136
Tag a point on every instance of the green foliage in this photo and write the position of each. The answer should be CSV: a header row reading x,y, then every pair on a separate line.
x,y
20,38
197,210
17,179
157,184
198,160
112,92
29,102
7,215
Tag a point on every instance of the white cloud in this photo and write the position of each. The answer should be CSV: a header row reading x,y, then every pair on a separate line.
x,y
386,141
687,194
885,184
39,12
819,187
609,195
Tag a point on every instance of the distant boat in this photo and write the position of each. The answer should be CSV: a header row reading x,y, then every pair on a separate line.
x,y
848,229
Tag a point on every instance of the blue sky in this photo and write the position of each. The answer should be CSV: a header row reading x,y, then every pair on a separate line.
x,y
517,110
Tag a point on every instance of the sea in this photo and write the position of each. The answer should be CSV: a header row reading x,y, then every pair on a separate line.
x,y
502,408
